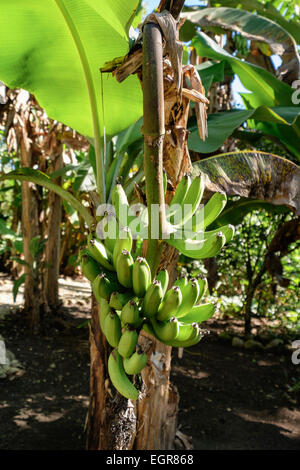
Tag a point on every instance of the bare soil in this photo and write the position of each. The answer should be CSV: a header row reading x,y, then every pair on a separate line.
x,y
230,398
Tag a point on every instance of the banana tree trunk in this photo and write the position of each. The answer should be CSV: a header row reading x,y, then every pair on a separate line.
x,y
115,423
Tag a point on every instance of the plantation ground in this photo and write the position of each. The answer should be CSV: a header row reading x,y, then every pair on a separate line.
x,y
230,398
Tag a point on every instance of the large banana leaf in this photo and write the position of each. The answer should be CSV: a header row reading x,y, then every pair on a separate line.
x,y
266,89
250,25
54,49
282,12
256,175
282,122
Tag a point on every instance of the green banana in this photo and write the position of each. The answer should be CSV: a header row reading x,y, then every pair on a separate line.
x,y
104,287
181,282
227,230
192,199
165,331
104,310
195,337
112,329
128,342
95,289
124,242
135,363
203,285
170,304
152,299
89,267
197,249
141,276
110,239
98,251
163,278
130,314
209,212
124,268
199,313
186,332
189,297
119,299
119,378
180,193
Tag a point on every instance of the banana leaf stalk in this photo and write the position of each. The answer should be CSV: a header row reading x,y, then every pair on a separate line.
x,y
154,129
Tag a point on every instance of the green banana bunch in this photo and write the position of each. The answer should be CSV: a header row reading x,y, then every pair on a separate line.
x,y
129,300
119,378
141,276
152,299
128,342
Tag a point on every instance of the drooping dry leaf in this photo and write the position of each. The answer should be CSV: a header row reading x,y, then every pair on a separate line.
x,y
257,175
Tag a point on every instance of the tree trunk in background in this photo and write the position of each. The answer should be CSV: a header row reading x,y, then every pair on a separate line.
x,y
30,228
52,255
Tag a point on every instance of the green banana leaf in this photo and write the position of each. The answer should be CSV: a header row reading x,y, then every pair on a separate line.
x,y
250,25
282,122
266,89
54,49
37,177
220,126
286,16
257,175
